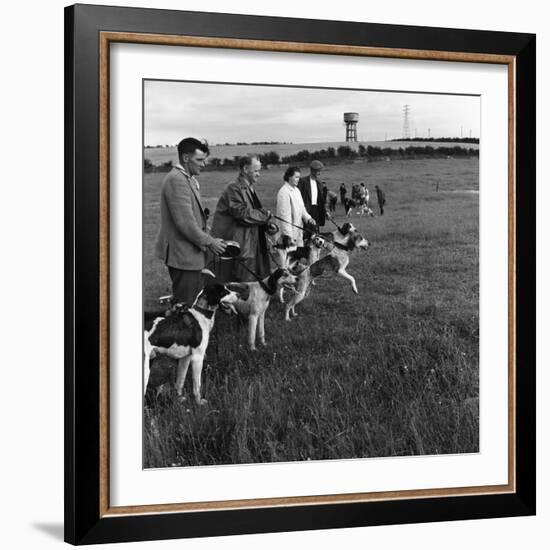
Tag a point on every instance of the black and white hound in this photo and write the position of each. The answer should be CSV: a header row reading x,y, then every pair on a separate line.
x,y
259,294
342,243
281,248
304,256
346,240
362,208
183,334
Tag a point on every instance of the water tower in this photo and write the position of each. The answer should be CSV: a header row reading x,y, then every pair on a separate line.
x,y
351,120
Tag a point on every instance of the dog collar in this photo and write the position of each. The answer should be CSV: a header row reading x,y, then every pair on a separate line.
x,y
341,246
268,290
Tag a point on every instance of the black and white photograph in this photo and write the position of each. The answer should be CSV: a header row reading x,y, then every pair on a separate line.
x,y
299,277
310,273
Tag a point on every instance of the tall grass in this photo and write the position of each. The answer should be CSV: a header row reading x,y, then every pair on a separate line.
x,y
391,372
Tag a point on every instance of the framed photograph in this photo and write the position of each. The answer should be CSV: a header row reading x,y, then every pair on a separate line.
x,y
300,274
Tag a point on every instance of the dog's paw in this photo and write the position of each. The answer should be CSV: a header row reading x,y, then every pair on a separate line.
x,y
355,290
182,398
202,402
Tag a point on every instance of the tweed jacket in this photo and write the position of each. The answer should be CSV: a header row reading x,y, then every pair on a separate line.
x,y
305,188
236,218
290,207
182,239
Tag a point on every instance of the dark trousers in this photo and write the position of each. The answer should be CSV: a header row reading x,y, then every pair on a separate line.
x,y
314,212
185,284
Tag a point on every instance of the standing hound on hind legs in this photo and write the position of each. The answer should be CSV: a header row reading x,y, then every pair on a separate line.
x,y
281,249
343,242
346,240
304,256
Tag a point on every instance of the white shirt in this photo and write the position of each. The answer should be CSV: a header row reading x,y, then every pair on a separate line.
x,y
313,185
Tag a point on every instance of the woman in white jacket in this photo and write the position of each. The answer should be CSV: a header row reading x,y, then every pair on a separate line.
x,y
290,207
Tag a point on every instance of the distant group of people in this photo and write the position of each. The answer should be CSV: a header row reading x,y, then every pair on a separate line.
x,y
184,243
359,195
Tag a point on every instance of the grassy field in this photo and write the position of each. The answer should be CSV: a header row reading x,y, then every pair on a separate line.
x,y
393,371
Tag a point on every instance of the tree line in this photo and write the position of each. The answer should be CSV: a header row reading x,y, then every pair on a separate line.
x,y
332,155
441,139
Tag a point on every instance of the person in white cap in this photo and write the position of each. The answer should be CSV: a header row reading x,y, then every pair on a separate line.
x,y
312,193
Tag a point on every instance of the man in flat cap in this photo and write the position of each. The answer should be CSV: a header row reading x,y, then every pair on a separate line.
x,y
312,193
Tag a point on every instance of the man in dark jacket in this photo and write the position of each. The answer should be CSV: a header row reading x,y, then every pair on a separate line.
x,y
312,193
343,193
381,197
241,217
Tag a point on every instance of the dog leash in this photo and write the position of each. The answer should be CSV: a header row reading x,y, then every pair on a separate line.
x,y
342,247
255,275
329,217
289,223
270,250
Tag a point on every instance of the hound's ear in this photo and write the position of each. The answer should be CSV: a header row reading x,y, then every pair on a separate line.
x,y
351,242
242,289
212,293
345,228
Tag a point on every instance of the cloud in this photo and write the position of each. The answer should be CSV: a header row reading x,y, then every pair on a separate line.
x,y
230,113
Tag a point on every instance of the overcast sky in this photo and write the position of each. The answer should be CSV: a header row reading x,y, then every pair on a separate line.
x,y
230,113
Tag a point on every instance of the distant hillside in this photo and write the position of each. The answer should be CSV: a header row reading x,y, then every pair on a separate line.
x,y
468,140
160,155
